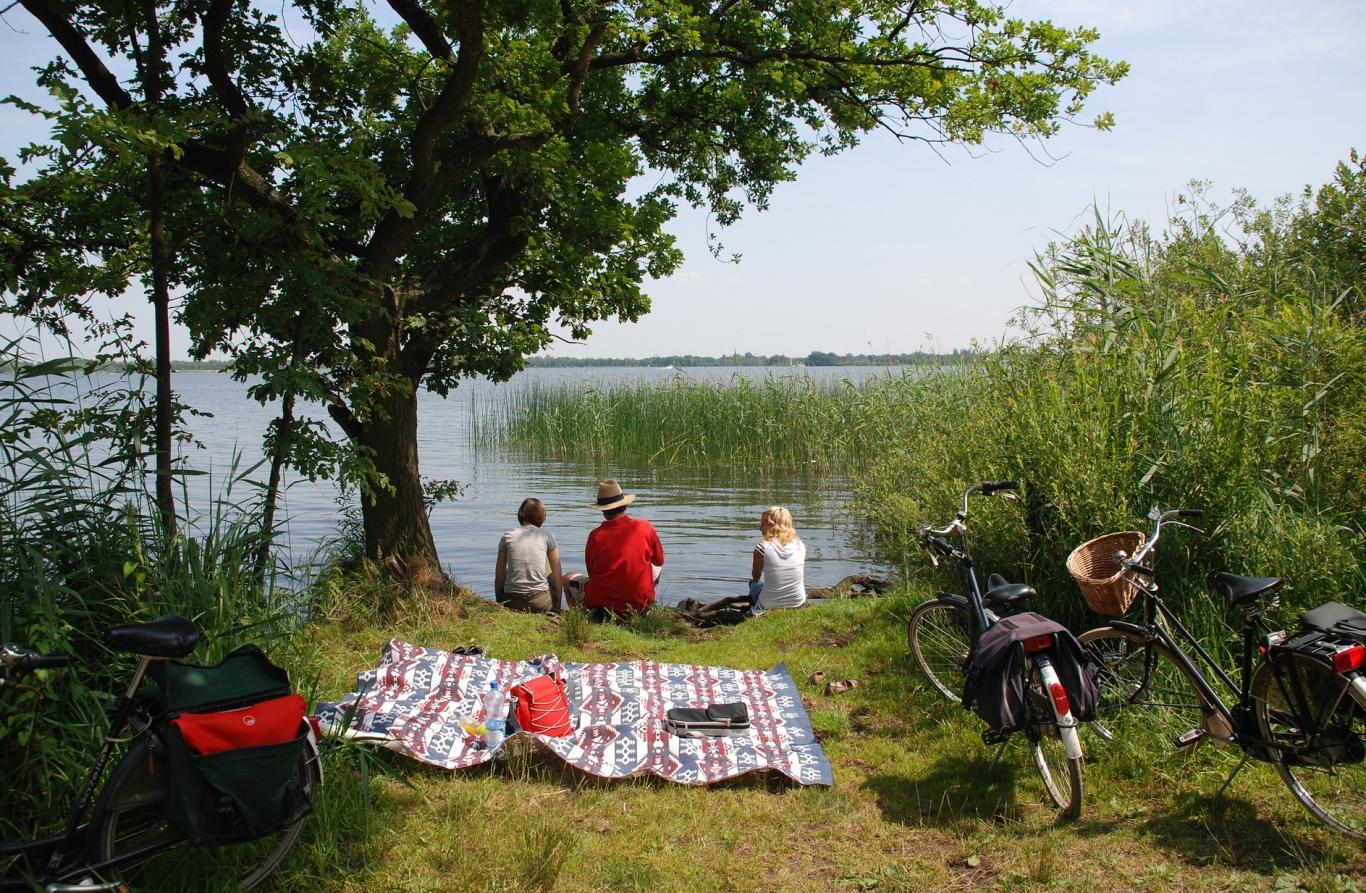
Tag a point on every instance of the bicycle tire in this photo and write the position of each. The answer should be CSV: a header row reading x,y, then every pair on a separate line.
x,y
1166,700
1334,791
1061,773
131,816
939,636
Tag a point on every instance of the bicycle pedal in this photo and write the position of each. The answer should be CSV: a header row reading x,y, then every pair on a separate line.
x,y
991,737
1187,740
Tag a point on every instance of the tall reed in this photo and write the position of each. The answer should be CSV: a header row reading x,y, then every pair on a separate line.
x,y
789,424
1178,371
81,550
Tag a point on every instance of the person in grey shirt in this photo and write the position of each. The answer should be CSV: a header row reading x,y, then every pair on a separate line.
x,y
527,576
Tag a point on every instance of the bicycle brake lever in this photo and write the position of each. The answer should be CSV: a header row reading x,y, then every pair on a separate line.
x,y
1184,524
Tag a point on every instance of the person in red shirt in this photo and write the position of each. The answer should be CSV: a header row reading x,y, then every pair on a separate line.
x,y
624,558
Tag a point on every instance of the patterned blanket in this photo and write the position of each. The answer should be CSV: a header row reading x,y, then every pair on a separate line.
x,y
415,701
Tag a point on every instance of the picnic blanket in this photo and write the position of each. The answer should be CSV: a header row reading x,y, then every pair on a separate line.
x,y
415,700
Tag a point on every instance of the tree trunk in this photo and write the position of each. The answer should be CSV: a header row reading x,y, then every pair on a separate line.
x,y
161,301
397,531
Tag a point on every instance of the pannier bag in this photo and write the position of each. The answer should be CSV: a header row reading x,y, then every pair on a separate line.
x,y
235,748
714,721
541,706
1336,618
995,687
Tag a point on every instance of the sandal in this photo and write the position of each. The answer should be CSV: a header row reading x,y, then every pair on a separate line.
x,y
816,678
842,686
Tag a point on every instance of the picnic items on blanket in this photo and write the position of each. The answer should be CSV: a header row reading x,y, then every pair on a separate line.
x,y
415,700
495,716
712,721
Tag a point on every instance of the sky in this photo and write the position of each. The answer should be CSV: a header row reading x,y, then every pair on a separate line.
x,y
893,248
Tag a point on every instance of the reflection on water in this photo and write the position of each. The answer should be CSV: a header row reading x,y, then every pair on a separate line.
x,y
707,522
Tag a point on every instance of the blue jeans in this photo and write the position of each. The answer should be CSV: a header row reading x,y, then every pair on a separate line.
x,y
755,587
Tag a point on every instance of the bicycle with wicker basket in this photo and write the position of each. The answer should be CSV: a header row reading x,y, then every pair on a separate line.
x,y
1298,702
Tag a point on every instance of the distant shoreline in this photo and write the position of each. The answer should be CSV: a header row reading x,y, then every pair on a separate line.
x,y
746,360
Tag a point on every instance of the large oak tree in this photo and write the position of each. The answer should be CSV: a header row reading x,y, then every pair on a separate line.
x,y
363,210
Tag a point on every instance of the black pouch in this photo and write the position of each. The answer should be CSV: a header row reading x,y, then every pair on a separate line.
x,y
717,720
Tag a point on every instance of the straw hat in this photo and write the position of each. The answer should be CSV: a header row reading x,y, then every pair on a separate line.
x,y
610,497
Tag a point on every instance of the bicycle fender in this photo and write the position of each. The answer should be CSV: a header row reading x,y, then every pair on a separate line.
x,y
1135,628
1066,723
957,600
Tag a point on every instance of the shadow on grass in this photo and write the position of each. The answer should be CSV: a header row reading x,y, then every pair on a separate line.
x,y
1206,830
528,763
958,791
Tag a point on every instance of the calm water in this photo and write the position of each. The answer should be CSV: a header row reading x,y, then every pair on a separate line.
x,y
708,523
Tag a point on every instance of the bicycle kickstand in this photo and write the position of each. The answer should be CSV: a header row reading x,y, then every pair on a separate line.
x,y
1000,752
1234,774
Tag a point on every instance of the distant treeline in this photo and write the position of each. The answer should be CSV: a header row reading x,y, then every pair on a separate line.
x,y
815,358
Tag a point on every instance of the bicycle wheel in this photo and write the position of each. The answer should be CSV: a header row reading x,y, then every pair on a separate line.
x,y
1144,689
1324,769
131,830
940,636
1061,774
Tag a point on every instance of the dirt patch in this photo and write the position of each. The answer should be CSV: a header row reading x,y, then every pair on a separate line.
x,y
829,637
972,873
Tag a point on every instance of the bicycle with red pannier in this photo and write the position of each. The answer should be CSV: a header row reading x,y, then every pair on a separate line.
x,y
214,770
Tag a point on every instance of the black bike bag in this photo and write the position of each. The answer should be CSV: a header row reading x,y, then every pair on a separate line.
x,y
1335,618
995,688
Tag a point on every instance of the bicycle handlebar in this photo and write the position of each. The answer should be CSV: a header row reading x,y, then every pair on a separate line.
x,y
990,487
1159,517
24,661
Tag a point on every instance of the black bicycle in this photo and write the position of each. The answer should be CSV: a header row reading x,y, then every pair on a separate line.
x,y
942,632
1298,702
130,838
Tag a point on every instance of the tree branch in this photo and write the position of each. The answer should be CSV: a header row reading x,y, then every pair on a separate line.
x,y
425,28
394,231
216,67
96,73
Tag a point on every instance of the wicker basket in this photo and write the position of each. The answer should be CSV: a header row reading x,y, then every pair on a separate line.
x,y
1104,582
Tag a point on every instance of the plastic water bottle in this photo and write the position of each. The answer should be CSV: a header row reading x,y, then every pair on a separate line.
x,y
495,716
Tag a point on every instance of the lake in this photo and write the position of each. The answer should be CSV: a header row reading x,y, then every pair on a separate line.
x,y
708,522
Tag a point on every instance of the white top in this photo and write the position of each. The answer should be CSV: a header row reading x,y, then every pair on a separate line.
x,y
784,575
528,551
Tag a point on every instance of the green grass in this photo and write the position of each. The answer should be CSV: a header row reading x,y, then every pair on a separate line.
x,y
915,804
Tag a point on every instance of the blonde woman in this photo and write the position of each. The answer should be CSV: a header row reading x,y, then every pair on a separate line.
x,y
778,576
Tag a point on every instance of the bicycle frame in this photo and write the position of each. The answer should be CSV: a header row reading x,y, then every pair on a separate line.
x,y
58,858
1159,620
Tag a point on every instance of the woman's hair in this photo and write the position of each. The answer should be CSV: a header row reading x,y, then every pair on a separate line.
x,y
779,521
531,511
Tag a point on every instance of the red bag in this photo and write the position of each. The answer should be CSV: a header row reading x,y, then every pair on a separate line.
x,y
542,707
270,722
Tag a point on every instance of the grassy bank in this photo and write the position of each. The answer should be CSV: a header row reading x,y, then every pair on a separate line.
x,y
916,804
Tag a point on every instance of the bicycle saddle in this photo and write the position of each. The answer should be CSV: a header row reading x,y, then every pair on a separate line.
x,y
1241,590
170,636
1001,594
